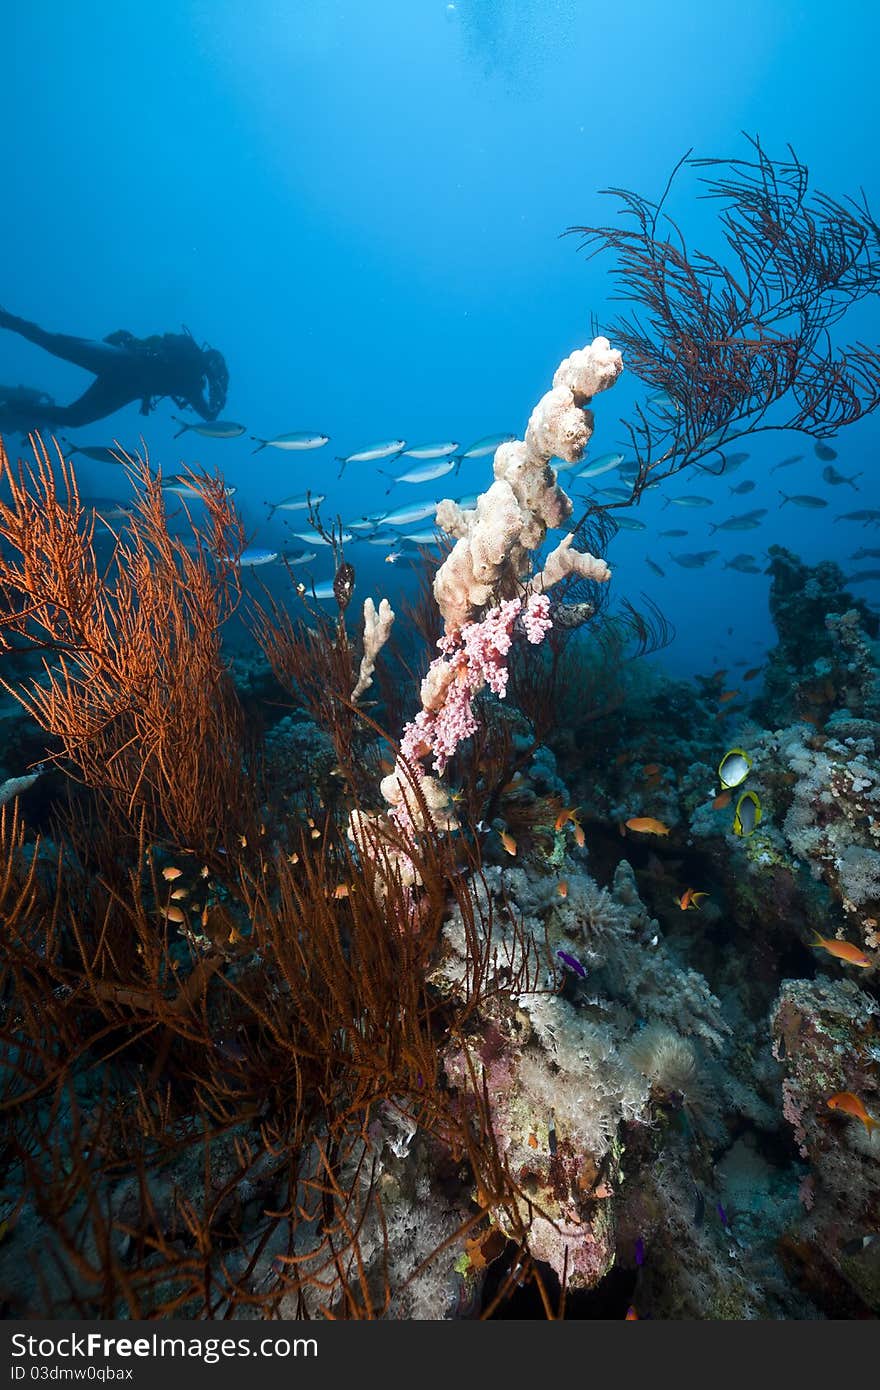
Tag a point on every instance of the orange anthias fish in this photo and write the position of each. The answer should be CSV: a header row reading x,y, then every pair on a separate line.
x,y
562,888
722,799
851,1105
564,816
755,671
727,695
580,838
631,1314
651,769
508,841
689,898
647,825
843,950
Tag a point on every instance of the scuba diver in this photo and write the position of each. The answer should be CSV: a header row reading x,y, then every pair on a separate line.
x,y
126,369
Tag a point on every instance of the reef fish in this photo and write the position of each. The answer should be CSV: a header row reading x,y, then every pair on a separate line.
x,y
431,451
741,489
850,1104
677,533
603,464
745,564
184,487
695,561
689,899
824,451
107,509
426,474
688,501
746,521
373,453
842,950
787,462
832,476
297,502
98,453
296,441
803,499
629,523
747,815
487,445
647,825
866,514
410,512
210,429
573,963
255,555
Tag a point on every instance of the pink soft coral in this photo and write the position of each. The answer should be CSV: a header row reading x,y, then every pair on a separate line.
x,y
472,658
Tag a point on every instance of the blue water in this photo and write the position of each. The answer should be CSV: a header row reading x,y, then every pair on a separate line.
x,y
360,205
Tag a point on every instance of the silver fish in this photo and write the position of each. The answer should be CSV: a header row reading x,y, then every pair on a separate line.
x,y
603,464
746,521
384,538
867,515
412,511
296,441
740,489
803,499
373,453
673,533
831,475
98,453
688,501
862,577
695,561
255,555
655,567
182,487
787,462
210,429
107,509
487,445
614,494
314,539
297,502
299,557
431,451
423,475
746,564
422,538
824,451
629,523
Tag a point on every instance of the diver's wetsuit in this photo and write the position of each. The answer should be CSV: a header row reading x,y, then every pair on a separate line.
x,y
130,369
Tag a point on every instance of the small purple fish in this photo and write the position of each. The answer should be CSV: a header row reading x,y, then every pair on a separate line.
x,y
723,1214
572,964
640,1252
